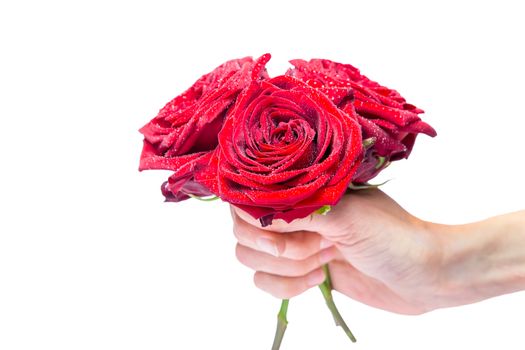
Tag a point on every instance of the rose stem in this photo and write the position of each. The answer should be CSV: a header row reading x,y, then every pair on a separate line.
x,y
326,289
282,322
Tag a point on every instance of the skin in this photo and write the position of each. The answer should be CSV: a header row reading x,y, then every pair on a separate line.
x,y
381,255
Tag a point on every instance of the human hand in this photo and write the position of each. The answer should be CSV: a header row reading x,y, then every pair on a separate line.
x,y
377,253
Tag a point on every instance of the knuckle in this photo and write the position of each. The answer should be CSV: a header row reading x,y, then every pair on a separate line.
x,y
299,268
270,284
236,230
301,245
302,252
285,290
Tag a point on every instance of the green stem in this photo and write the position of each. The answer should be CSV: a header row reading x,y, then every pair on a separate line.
x,y
326,289
282,322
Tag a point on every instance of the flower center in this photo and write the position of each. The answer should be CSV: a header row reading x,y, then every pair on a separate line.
x,y
283,134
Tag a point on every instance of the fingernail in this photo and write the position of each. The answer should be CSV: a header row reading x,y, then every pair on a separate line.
x,y
315,278
326,256
267,245
325,243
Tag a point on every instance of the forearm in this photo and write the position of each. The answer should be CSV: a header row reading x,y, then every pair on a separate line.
x,y
482,259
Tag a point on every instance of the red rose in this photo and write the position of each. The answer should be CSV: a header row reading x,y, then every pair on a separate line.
x,y
285,151
382,113
184,133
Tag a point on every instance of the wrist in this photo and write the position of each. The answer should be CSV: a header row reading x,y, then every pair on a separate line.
x,y
463,261
479,260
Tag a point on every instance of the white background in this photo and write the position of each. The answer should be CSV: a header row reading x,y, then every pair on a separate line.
x,y
91,257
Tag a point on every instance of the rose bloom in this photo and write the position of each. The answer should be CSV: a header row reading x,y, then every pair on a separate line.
x,y
184,133
285,151
384,115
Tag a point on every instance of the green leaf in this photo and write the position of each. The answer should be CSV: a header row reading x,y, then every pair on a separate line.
x,y
369,142
324,209
380,162
365,186
204,199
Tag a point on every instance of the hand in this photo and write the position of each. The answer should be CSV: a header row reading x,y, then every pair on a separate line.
x,y
377,253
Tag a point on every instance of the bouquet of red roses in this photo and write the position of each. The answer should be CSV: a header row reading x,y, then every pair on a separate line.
x,y
283,147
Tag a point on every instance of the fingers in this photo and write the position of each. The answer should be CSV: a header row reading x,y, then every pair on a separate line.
x,y
287,258
287,287
263,262
297,245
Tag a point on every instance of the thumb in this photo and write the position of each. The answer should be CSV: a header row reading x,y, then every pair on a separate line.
x,y
314,222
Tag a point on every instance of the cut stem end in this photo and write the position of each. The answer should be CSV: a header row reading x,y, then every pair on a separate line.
x,y
282,323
